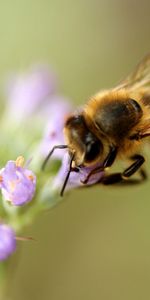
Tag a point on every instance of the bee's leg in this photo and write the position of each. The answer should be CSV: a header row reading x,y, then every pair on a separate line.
x,y
142,172
121,177
110,157
51,152
138,136
106,164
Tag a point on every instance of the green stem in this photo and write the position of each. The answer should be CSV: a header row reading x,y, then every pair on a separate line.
x,y
4,266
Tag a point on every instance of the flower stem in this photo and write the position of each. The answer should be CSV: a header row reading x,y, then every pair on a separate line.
x,y
3,279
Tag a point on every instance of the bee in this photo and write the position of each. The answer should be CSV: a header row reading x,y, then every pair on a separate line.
x,y
113,124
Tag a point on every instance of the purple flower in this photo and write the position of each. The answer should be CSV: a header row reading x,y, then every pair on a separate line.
x,y
7,241
27,93
17,183
59,109
76,178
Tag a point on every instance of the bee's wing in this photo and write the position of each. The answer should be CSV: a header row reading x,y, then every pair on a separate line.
x,y
139,81
139,78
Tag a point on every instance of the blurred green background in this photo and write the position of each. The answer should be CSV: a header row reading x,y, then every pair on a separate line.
x,y
96,243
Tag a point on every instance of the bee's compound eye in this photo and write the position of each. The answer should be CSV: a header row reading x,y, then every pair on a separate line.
x,y
93,149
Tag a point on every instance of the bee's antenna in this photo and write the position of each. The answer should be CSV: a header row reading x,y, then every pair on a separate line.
x,y
51,152
67,176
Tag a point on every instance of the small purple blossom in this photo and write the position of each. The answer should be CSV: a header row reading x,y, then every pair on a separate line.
x,y
17,183
59,109
27,93
7,241
76,178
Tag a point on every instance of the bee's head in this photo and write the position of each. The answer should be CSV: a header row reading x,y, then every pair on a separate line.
x,y
82,142
84,148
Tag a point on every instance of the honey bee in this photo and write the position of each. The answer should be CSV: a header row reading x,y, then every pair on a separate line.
x,y
112,125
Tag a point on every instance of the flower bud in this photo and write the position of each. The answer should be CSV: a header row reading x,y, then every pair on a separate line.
x,y
7,241
17,183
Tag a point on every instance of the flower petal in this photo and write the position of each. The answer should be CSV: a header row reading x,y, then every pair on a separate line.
x,y
75,178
